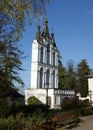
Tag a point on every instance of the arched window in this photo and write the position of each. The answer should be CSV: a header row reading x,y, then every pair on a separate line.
x,y
48,76
53,79
41,78
54,58
41,55
48,54
66,99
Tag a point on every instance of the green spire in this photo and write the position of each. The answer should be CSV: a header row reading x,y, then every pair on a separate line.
x,y
45,32
38,34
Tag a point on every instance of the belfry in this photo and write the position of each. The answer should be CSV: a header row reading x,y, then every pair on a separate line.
x,y
44,70
44,60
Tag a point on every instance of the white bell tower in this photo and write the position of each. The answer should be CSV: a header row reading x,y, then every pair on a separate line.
x,y
44,66
44,70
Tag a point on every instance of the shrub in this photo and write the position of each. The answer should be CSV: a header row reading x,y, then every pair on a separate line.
x,y
32,100
30,109
19,122
16,104
86,111
72,103
85,103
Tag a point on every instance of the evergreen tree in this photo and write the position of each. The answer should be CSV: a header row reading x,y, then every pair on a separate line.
x,y
61,72
10,60
71,75
82,71
67,77
61,76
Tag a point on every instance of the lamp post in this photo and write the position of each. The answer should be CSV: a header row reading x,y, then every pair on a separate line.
x,y
46,87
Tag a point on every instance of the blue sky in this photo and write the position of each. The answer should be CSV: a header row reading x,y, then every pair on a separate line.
x,y
72,23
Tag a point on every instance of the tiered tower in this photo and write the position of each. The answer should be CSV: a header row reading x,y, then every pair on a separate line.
x,y
44,66
44,70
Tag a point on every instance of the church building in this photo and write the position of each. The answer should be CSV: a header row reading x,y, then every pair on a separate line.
x,y
44,70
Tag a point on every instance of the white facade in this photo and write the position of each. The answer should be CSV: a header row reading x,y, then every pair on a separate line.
x,y
44,70
44,66
90,88
55,96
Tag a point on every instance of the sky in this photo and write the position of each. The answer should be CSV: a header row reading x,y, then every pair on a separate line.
x,y
72,23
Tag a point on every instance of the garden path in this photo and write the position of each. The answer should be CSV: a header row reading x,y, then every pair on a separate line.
x,y
86,124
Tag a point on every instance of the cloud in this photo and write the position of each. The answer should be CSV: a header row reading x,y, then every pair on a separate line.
x,y
89,12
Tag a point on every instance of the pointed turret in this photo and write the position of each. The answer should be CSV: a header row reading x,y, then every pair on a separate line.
x,y
53,39
45,32
38,34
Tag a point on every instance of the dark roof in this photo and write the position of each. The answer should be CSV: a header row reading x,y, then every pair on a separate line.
x,y
13,94
38,34
45,34
53,39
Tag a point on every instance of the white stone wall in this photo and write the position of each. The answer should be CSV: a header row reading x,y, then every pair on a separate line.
x,y
90,84
41,95
90,91
56,96
90,88
34,64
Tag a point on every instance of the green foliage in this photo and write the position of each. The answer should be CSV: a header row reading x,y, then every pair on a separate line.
x,y
4,111
14,14
23,117
67,77
85,103
16,104
75,104
86,111
40,119
17,108
30,109
10,60
13,17
61,76
19,122
82,71
69,104
32,100
10,54
72,78
71,75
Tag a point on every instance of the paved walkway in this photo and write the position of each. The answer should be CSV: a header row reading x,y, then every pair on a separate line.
x,y
86,124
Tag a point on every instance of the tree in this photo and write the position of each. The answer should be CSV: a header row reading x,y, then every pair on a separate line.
x,y
13,16
10,67
61,76
82,71
71,75
67,76
15,13
61,72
